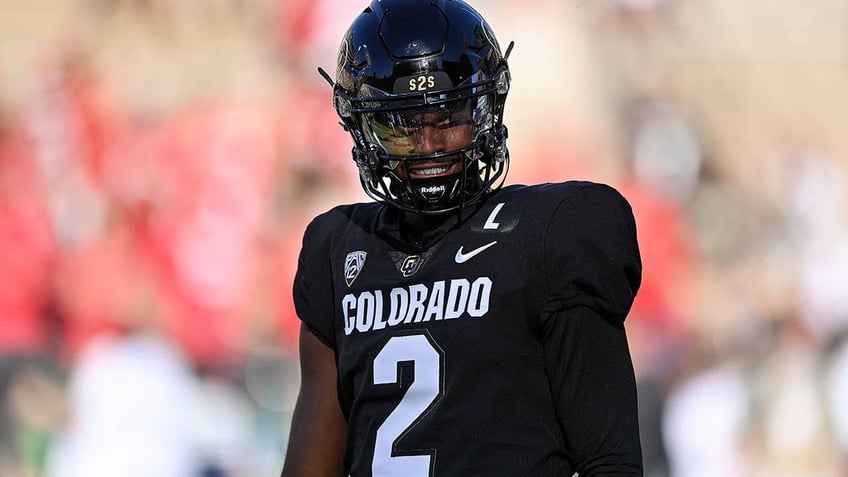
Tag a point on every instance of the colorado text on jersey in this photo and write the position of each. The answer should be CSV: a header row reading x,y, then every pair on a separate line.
x,y
443,300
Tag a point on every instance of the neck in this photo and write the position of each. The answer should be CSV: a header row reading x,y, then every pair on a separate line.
x,y
422,230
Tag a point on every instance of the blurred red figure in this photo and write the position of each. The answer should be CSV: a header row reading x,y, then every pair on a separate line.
x,y
207,213
667,297
104,286
26,253
26,249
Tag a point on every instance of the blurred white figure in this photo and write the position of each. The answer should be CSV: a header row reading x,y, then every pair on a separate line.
x,y
794,438
223,422
131,401
704,422
818,210
666,151
836,387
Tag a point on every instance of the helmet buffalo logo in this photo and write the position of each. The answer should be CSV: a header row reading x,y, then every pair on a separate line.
x,y
353,264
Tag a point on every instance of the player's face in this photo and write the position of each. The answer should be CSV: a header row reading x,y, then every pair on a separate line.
x,y
422,133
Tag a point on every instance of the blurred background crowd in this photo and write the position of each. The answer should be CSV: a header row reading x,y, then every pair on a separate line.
x,y
159,160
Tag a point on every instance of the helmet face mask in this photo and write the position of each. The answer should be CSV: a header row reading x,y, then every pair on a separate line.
x,y
423,102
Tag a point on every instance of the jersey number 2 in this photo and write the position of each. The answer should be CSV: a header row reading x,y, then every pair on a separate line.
x,y
425,388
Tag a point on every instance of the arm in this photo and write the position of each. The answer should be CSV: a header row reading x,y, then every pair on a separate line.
x,y
592,381
317,439
593,271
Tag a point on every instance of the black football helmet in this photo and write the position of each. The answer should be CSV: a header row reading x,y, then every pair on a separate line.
x,y
420,86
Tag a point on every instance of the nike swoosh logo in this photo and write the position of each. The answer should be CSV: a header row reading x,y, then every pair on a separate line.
x,y
464,257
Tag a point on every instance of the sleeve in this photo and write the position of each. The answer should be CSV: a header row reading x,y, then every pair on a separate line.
x,y
593,273
313,282
591,253
591,377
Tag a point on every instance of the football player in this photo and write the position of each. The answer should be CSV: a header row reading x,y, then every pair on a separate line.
x,y
455,326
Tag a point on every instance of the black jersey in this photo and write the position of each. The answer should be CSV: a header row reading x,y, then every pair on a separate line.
x,y
441,349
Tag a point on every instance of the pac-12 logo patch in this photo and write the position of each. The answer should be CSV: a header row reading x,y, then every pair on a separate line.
x,y
353,264
410,265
